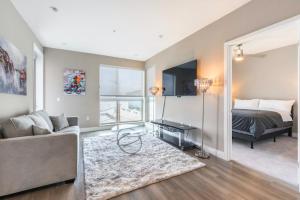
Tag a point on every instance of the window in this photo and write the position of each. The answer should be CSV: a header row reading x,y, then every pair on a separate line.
x,y
38,78
121,95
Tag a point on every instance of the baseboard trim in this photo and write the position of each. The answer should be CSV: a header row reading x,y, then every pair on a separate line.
x,y
211,150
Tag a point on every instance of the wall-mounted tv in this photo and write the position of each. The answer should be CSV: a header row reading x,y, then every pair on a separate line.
x,y
179,80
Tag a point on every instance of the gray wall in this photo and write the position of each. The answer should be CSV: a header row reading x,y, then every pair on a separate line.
x,y
56,61
273,76
207,45
14,29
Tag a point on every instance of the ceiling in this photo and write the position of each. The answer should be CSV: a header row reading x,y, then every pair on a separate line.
x,y
284,35
133,29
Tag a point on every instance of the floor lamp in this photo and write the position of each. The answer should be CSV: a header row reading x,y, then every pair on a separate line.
x,y
203,85
153,90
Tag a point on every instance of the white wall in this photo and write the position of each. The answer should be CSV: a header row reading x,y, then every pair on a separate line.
x,y
14,29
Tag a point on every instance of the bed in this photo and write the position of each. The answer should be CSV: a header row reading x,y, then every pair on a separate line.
x,y
257,119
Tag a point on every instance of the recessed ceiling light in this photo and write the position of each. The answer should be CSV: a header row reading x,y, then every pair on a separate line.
x,y
160,36
114,30
53,8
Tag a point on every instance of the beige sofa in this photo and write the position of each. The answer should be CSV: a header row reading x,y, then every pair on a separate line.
x,y
28,162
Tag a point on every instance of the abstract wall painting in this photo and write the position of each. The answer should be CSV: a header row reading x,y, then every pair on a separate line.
x,y
13,66
74,82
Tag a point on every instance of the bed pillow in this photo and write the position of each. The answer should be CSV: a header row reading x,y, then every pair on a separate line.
x,y
280,105
251,104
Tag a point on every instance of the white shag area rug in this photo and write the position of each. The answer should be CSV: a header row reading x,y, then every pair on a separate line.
x,y
110,172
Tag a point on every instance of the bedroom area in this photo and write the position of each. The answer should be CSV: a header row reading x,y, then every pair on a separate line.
x,y
265,103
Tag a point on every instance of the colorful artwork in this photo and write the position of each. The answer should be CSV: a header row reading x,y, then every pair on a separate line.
x,y
74,82
12,69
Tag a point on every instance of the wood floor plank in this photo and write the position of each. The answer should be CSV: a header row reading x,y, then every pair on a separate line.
x,y
217,180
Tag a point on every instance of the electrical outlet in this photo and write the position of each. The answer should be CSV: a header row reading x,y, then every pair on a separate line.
x,y
87,118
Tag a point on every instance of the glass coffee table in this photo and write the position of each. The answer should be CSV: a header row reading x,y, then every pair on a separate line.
x,y
129,137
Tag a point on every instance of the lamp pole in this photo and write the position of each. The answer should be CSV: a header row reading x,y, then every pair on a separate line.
x,y
153,90
203,85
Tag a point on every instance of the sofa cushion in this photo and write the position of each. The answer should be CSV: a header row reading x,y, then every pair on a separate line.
x,y
17,127
39,121
59,122
40,131
45,116
70,129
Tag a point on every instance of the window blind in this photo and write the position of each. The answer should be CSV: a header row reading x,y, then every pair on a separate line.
x,y
117,81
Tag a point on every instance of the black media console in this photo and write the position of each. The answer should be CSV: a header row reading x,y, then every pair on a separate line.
x,y
174,127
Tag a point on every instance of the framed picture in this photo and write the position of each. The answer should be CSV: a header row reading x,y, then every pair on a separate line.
x,y
13,65
74,82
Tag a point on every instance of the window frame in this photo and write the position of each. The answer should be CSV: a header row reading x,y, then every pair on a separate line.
x,y
124,98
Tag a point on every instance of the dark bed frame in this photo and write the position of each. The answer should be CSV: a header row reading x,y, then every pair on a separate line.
x,y
269,133
272,134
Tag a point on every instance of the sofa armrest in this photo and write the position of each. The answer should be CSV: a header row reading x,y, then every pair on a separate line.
x,y
34,161
73,121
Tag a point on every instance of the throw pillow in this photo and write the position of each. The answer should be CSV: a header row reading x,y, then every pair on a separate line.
x,y
40,131
39,121
17,127
59,122
45,116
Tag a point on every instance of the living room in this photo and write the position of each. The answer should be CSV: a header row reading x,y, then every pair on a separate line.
x,y
126,99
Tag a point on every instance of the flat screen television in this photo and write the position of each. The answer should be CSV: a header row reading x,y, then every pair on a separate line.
x,y
179,80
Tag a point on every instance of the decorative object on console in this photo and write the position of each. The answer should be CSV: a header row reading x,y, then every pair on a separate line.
x,y
74,82
13,78
203,85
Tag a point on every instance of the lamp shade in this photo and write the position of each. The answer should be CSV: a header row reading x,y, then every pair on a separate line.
x,y
153,90
203,84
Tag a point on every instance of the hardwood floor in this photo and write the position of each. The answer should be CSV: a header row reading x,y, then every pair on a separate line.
x,y
218,180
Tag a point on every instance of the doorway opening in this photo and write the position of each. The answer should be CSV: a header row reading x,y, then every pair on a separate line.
x,y
261,100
